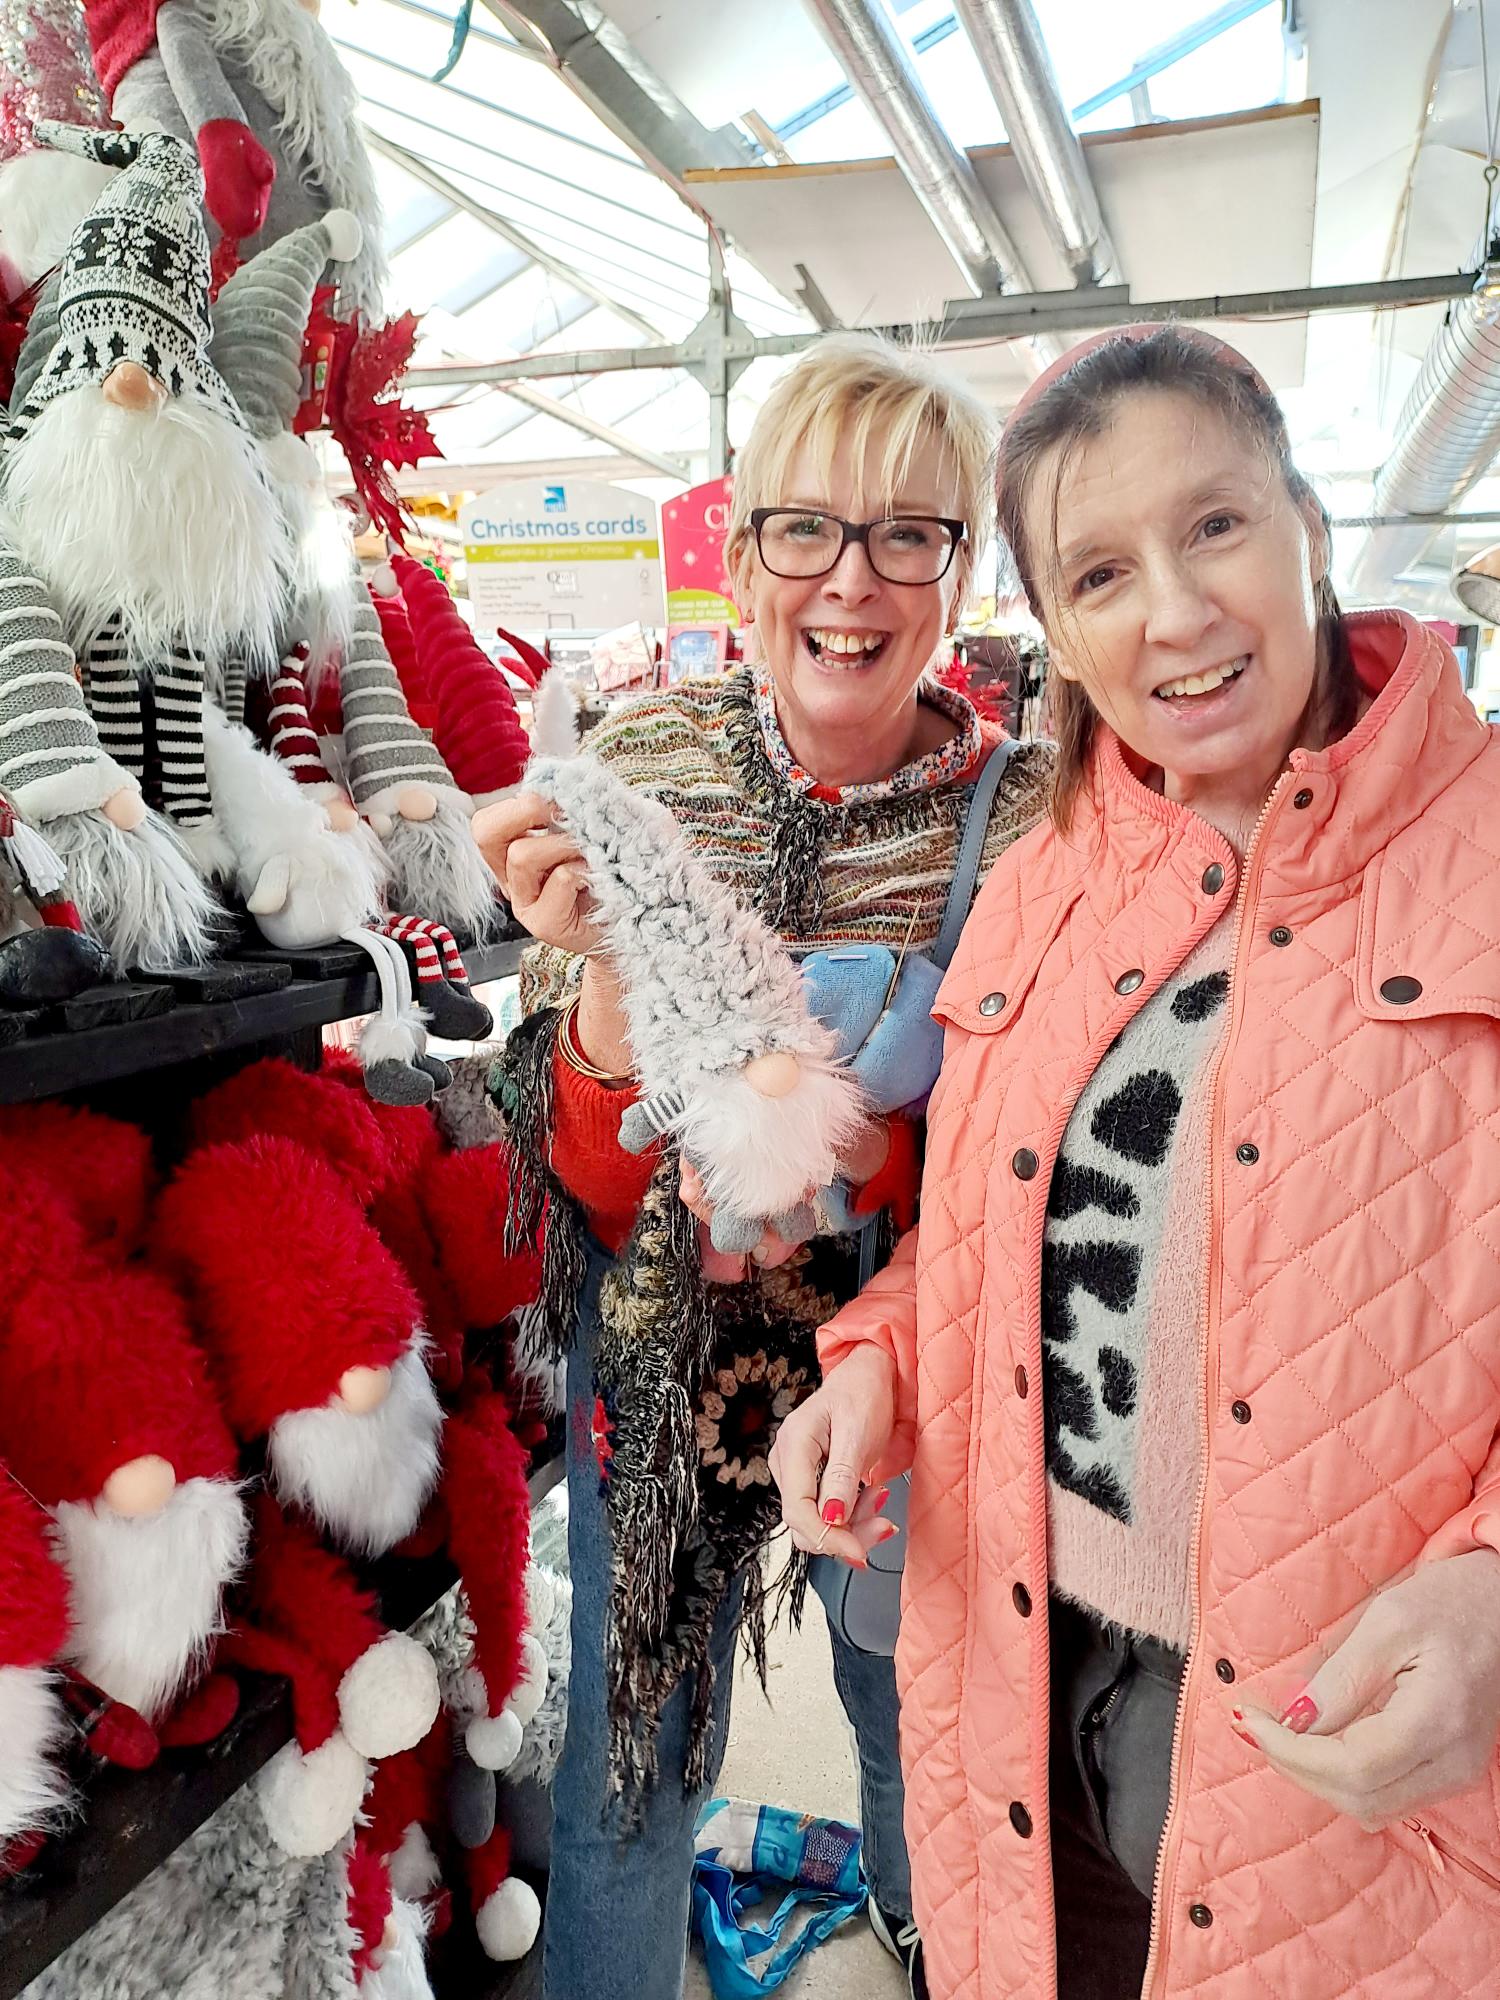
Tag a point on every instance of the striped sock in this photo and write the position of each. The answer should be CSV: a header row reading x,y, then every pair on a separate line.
x,y
113,688
177,703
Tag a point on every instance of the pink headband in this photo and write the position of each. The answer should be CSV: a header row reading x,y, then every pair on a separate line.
x,y
1141,330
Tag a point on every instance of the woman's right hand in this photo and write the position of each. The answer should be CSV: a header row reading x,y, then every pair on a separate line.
x,y
540,870
827,1448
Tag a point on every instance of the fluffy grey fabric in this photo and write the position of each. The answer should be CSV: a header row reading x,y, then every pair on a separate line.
x,y
541,1747
465,1115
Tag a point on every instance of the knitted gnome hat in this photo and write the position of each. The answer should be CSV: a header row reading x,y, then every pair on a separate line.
x,y
478,729
260,318
134,283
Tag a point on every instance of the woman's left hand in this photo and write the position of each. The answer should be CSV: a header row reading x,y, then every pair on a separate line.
x,y
1407,1711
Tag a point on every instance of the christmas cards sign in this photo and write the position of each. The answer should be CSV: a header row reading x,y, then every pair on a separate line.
x,y
574,554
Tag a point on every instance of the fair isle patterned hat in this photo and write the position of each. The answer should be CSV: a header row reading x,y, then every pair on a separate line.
x,y
134,283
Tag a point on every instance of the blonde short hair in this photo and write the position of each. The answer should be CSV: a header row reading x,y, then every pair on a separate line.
x,y
862,390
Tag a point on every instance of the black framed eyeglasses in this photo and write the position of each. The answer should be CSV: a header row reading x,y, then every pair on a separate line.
x,y
903,548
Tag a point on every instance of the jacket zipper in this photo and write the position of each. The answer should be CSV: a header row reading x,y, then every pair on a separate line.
x,y
1215,1180
1440,1854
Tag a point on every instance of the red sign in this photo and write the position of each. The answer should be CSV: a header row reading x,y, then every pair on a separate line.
x,y
692,535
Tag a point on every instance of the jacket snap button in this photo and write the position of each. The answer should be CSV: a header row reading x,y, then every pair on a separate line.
x,y
1201,1915
1129,981
991,1003
1401,991
1247,1154
1020,1596
1213,879
1281,935
1303,800
1020,1819
1024,1164
1240,1412
1224,1669
1023,1382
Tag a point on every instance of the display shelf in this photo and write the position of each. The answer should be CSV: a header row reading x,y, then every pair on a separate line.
x,y
292,992
132,1820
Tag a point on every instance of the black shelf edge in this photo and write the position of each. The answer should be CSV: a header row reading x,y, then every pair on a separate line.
x,y
132,1820
47,1065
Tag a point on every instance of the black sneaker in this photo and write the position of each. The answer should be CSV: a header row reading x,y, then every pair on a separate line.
x,y
903,1941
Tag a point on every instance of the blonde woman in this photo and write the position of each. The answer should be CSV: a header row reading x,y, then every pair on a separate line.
x,y
829,783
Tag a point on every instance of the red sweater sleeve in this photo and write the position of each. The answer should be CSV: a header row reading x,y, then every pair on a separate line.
x,y
587,1156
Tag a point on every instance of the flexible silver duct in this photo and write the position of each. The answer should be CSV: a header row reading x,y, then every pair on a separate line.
x,y
1012,52
877,65
1446,439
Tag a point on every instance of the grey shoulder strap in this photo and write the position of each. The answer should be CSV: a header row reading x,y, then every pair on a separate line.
x,y
970,848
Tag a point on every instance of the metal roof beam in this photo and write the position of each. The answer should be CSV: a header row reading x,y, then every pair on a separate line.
x,y
579,280
594,427
977,322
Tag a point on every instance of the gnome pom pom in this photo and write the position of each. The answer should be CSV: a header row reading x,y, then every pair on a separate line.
x,y
494,1741
346,235
530,1690
388,1699
309,1799
507,1915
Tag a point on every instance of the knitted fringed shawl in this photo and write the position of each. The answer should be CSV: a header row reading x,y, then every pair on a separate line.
x,y
696,1379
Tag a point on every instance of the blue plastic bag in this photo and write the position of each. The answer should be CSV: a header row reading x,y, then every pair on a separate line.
x,y
746,1854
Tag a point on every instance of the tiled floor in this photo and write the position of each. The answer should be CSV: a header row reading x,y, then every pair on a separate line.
x,y
797,1753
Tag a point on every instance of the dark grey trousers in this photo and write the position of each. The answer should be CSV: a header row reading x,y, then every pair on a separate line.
x,y
1114,1709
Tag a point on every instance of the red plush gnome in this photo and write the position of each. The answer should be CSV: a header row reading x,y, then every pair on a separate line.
x,y
478,729
108,1419
33,1626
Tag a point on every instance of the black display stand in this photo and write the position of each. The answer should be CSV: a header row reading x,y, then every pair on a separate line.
x,y
145,1049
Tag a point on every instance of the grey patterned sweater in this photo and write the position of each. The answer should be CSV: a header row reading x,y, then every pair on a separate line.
x,y
1124,1268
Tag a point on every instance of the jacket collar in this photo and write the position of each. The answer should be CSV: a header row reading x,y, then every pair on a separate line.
x,y
1417,736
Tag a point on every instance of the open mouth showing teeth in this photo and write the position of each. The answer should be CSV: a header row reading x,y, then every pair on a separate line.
x,y
845,649
1208,682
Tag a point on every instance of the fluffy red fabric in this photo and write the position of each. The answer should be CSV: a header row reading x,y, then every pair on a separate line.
x,y
33,1588
237,176
101,1167
478,730
120,32
98,1367
395,629
464,1195
488,1867
275,1097
289,1283
369,1905
408,1790
489,1534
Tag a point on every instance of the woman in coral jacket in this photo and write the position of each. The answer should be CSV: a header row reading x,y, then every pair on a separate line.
x,y
1195,1351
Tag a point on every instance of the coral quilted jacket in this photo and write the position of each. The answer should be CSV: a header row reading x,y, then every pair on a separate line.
x,y
1353,1248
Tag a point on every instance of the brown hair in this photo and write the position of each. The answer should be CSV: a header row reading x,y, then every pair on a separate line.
x,y
1078,405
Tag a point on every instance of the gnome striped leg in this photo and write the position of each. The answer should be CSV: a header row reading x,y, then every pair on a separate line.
x,y
113,684
234,678
442,978
177,704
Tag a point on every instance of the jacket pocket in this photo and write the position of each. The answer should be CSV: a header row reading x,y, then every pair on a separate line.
x,y
1445,1856
987,985
1413,962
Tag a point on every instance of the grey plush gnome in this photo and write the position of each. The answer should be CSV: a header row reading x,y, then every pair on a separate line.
x,y
734,1067
133,486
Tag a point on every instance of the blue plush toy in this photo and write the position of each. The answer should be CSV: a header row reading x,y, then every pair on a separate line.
x,y
881,1021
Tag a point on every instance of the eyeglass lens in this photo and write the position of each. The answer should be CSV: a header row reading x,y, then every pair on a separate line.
x,y
901,550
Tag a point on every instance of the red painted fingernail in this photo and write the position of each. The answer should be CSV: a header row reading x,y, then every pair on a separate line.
x,y
881,1497
1301,1716
833,1514
1245,1737
887,1529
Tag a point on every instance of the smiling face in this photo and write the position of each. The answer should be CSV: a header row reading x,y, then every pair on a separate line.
x,y
847,649
1183,597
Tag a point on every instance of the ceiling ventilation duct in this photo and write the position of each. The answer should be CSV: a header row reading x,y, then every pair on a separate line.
x,y
877,65
1012,51
1446,439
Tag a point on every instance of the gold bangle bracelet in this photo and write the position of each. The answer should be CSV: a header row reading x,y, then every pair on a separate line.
x,y
573,1056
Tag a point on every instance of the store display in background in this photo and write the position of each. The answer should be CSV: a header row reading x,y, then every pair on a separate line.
x,y
576,553
623,660
693,527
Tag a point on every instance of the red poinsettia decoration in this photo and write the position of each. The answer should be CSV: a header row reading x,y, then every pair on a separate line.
x,y
362,408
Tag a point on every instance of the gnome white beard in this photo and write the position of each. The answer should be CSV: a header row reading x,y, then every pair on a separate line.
x,y
147,1594
166,519
31,1727
322,552
367,1478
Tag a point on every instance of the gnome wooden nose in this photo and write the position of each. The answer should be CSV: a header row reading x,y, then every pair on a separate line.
x,y
774,1075
140,1487
362,1390
128,387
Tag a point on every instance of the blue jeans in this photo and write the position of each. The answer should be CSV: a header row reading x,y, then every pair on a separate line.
x,y
618,1912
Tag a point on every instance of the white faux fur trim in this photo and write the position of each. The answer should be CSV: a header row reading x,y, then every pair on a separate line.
x,y
325,573
365,1479
415,1870
393,1037
168,519
399,1971
292,62
761,1157
136,892
508,1924
147,1594
309,1802
84,788
32,1790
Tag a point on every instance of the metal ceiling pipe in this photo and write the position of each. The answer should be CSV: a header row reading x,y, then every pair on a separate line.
x,y
876,62
1012,51
1446,439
